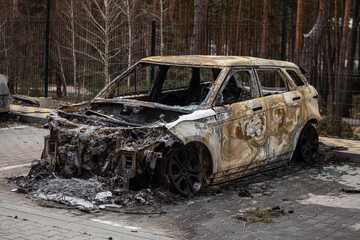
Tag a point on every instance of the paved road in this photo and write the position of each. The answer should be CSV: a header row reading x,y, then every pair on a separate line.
x,y
320,209
20,144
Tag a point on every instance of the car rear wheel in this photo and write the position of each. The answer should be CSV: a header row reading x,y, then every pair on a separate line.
x,y
308,144
184,172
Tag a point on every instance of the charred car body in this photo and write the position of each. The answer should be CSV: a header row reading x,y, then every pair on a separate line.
x,y
186,121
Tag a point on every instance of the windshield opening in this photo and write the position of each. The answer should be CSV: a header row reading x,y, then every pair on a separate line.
x,y
177,86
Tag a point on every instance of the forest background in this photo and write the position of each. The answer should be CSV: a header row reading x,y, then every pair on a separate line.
x,y
92,41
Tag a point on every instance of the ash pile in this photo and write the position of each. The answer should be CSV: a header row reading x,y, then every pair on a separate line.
x,y
89,195
91,165
95,161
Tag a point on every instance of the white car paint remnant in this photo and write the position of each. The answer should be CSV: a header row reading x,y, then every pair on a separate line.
x,y
199,114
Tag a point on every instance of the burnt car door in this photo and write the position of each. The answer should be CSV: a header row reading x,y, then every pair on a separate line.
x,y
242,118
284,103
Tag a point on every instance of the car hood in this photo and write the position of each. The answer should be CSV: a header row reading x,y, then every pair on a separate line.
x,y
137,124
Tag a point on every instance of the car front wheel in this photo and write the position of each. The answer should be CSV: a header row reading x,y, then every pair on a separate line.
x,y
308,144
184,172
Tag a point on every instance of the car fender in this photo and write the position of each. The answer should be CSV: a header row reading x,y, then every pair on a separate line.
x,y
199,126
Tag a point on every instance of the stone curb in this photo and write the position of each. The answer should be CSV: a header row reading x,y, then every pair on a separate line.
x,y
345,156
30,114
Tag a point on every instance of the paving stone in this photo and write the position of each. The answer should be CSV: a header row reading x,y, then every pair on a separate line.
x,y
206,218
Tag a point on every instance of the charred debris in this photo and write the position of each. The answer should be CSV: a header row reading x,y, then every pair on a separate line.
x,y
92,141
93,159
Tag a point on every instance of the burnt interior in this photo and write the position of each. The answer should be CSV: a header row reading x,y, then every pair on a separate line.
x,y
192,93
169,85
137,115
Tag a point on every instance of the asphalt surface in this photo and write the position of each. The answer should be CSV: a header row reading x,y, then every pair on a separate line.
x,y
312,200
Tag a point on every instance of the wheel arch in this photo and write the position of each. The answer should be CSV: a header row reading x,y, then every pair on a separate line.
x,y
312,121
204,157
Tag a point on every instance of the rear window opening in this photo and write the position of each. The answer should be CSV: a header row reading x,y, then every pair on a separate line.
x,y
295,77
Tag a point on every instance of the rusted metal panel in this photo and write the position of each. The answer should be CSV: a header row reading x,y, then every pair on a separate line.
x,y
215,61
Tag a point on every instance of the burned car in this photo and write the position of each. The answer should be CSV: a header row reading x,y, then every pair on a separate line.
x,y
4,95
186,121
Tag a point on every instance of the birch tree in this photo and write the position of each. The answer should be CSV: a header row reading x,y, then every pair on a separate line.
x,y
70,22
131,10
128,8
160,17
104,19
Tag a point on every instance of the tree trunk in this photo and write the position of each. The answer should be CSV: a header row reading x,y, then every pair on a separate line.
x,y
265,30
341,69
299,32
336,17
329,72
15,8
107,42
12,63
312,38
62,72
347,98
73,48
238,42
172,8
161,3
197,38
58,85
129,18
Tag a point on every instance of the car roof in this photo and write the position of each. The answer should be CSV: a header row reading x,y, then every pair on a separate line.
x,y
216,61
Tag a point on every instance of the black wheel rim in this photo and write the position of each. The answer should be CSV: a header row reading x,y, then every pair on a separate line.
x,y
309,144
184,172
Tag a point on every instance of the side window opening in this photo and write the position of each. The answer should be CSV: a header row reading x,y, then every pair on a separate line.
x,y
237,89
271,82
185,86
295,77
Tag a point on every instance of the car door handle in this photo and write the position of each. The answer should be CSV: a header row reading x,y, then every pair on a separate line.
x,y
257,109
296,98
316,96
